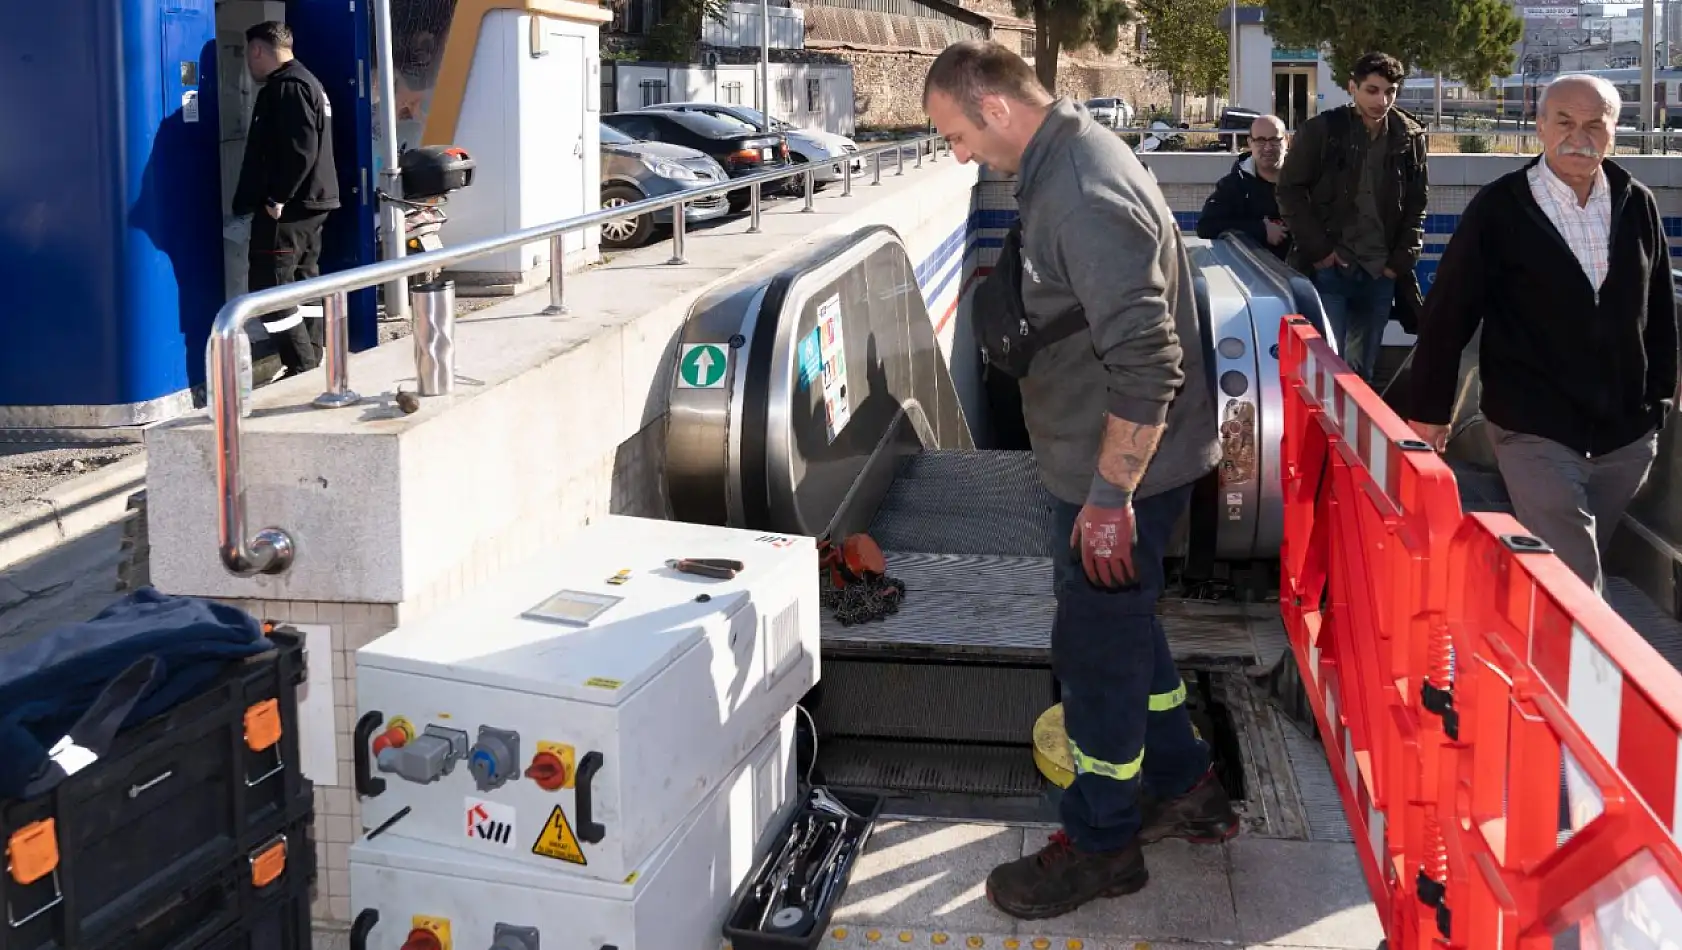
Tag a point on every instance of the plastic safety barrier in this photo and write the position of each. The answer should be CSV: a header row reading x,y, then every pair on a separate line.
x,y
1370,512
1506,747
1550,682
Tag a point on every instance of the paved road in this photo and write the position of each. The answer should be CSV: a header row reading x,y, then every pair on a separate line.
x,y
69,583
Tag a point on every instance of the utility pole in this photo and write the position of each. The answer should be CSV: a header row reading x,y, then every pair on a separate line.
x,y
1646,121
1232,54
765,61
1438,97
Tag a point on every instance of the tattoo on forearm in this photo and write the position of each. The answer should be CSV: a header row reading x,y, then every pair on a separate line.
x,y
1127,451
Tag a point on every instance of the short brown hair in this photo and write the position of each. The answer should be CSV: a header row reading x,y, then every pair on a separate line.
x,y
971,69
1378,64
276,34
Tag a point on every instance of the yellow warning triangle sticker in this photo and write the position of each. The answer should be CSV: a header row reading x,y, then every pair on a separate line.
x,y
557,840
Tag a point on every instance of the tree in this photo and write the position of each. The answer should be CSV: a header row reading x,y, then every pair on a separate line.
x,y
1071,24
1466,40
1185,41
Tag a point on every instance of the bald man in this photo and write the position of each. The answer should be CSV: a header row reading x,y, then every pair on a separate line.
x,y
1566,266
1243,200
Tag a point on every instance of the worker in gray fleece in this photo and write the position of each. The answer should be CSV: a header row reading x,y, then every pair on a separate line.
x,y
1122,420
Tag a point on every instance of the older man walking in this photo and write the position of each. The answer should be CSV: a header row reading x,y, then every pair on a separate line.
x,y
1565,264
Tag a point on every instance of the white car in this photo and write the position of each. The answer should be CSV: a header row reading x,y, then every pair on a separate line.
x,y
1111,112
804,145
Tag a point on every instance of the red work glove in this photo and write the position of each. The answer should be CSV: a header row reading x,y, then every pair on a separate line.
x,y
1105,534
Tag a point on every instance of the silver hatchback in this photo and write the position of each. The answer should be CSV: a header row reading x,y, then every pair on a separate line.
x,y
634,170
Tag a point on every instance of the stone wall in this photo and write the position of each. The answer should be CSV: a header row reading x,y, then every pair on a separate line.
x,y
888,88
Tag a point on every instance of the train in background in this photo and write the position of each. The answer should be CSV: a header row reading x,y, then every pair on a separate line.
x,y
1513,98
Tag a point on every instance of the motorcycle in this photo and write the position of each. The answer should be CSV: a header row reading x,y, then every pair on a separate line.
x,y
429,176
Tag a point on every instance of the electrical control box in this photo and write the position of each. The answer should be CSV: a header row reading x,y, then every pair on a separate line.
x,y
568,714
410,893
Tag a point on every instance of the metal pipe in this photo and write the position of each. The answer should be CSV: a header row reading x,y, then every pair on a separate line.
x,y
919,155
811,185
899,159
271,550
393,233
753,209
847,178
876,169
335,356
435,337
557,275
677,234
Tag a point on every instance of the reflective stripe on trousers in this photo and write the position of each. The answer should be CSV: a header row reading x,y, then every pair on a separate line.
x,y
1123,771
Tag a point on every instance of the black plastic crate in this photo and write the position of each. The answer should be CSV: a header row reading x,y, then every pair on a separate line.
x,y
176,800
741,926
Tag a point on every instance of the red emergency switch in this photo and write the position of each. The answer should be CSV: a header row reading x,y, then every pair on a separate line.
x,y
422,939
394,738
548,770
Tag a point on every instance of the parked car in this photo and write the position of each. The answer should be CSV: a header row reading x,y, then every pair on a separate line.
x,y
804,145
1111,112
633,171
739,151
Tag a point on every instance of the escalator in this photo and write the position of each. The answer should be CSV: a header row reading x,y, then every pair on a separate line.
x,y
838,413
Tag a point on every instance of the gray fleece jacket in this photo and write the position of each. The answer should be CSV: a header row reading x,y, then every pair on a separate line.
x,y
1097,234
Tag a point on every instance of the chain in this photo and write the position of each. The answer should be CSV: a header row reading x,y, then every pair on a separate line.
x,y
866,601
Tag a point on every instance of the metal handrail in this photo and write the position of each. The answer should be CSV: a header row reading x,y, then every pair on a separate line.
x,y
272,550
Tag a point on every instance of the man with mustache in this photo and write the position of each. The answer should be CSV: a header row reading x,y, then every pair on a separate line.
x,y
1566,266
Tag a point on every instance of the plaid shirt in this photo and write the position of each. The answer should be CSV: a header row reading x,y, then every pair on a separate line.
x,y
1587,229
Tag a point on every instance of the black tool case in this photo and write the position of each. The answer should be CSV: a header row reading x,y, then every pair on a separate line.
x,y
803,928
178,800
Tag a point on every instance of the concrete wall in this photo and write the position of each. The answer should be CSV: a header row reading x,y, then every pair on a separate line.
x,y
555,421
1187,178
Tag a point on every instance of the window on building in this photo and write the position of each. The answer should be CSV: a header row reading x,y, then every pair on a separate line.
x,y
1027,45
653,92
732,93
1141,36
785,95
814,95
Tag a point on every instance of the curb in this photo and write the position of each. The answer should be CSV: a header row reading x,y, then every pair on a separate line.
x,y
69,510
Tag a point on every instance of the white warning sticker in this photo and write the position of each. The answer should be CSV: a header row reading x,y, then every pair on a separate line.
x,y
490,822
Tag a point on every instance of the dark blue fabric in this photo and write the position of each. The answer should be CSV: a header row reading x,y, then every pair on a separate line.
x,y
1110,654
47,684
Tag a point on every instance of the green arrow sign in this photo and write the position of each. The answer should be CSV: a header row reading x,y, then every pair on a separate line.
x,y
701,366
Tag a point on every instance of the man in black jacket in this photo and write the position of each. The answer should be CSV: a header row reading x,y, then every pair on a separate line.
x,y
1244,199
1566,266
1353,192
288,184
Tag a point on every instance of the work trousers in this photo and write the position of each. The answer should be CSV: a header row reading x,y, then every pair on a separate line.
x,y
1122,694
1358,308
285,252
1571,502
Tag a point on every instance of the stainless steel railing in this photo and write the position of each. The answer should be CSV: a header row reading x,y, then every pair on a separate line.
x,y
272,550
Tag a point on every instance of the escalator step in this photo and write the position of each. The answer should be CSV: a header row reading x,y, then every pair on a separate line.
x,y
928,701
953,502
1649,619
929,767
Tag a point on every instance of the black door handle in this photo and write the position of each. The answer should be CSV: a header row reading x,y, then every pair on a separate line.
x,y
589,831
368,785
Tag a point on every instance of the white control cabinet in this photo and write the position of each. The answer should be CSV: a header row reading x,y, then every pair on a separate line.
x,y
567,715
676,900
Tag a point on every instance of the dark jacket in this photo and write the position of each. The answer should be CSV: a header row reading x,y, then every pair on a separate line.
x,y
1097,235
1591,370
1322,174
1242,201
289,149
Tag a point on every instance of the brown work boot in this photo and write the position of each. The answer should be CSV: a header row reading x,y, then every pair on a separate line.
x,y
1059,879
1203,815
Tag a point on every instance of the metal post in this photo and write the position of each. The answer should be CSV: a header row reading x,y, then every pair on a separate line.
x,y
335,357
393,235
876,171
557,275
920,154
1438,96
435,337
765,63
811,186
677,235
899,159
1232,55
1647,102
753,204
847,179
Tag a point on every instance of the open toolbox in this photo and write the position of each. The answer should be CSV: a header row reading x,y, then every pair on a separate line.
x,y
787,902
